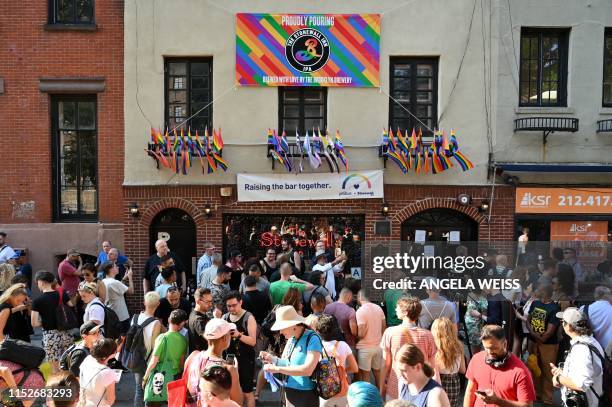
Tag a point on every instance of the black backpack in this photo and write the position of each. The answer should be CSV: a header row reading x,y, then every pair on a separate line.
x,y
75,352
134,353
65,317
112,324
269,320
23,353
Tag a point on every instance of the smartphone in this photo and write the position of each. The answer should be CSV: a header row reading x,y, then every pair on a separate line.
x,y
482,393
230,358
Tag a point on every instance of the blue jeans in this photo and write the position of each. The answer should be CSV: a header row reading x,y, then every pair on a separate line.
x,y
139,393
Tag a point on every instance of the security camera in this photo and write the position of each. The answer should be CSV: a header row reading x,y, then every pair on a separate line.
x,y
464,199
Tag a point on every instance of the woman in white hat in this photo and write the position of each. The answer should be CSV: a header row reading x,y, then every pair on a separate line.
x,y
299,360
218,335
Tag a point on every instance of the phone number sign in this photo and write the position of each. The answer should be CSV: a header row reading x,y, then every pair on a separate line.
x,y
564,200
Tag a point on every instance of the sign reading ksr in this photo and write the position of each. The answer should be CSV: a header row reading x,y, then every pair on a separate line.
x,y
563,200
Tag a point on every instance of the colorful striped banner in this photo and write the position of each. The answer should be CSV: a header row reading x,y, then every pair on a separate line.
x,y
308,50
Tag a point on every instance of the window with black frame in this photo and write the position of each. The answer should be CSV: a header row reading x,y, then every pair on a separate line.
x,y
75,170
71,11
543,70
188,84
414,86
607,76
302,109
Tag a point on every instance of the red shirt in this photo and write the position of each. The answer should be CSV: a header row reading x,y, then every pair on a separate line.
x,y
66,273
511,382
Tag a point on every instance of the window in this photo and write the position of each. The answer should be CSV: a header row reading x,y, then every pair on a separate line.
x,y
302,109
71,11
414,84
607,76
188,91
543,73
75,155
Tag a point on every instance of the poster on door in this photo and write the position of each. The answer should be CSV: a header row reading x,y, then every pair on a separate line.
x,y
588,238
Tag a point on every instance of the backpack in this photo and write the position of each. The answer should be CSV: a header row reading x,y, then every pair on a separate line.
x,y
134,353
111,322
269,320
606,365
341,372
64,315
68,357
22,353
326,375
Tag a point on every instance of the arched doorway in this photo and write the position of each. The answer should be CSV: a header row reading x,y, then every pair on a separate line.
x,y
437,224
177,228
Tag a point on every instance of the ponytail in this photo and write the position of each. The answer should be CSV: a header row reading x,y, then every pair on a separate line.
x,y
428,370
412,356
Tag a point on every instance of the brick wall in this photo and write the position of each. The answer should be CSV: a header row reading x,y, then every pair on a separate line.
x,y
404,201
29,52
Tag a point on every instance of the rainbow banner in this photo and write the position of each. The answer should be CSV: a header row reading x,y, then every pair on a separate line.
x,y
308,50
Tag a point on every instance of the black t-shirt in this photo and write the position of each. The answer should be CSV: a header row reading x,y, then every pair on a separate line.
x,y
45,305
17,325
257,303
151,268
197,322
164,309
495,305
543,314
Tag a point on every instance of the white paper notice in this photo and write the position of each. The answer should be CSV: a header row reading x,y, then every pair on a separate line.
x,y
455,236
419,236
428,251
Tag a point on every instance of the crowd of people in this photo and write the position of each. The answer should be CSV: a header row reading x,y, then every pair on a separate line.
x,y
309,331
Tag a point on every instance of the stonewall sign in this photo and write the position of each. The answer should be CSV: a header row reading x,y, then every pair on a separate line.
x,y
291,187
308,50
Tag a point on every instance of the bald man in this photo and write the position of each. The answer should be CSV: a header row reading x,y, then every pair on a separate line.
x,y
154,264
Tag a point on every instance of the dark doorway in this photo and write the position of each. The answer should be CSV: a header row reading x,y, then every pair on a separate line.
x,y
179,230
438,223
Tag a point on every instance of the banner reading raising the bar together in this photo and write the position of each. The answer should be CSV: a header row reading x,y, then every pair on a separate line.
x,y
308,50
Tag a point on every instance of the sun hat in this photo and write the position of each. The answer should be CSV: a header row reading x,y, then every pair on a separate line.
x,y
217,328
286,316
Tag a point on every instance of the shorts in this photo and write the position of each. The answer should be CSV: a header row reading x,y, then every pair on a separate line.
x,y
246,373
55,343
369,358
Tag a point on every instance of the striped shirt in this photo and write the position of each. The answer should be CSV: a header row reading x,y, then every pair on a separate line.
x,y
394,338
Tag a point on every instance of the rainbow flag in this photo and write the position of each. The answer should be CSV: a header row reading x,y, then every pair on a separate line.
x,y
461,159
340,149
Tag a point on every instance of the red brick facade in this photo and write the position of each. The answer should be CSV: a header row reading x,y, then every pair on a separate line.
x,y
29,52
404,201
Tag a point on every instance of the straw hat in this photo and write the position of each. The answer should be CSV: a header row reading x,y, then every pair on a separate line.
x,y
286,316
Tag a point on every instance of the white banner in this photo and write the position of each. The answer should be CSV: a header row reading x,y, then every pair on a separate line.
x,y
308,187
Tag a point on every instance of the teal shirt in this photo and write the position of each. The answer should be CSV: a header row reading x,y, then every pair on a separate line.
x,y
308,342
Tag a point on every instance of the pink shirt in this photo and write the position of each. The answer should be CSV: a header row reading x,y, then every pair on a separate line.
x,y
370,316
70,281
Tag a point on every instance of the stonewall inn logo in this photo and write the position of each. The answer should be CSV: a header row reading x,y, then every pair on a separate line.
x,y
358,185
307,50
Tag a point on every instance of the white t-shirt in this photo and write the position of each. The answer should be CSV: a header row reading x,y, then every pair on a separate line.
x,y
341,352
328,270
94,378
94,312
115,297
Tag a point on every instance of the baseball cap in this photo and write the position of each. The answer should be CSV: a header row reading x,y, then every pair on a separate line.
x,y
217,327
571,316
89,328
319,254
73,252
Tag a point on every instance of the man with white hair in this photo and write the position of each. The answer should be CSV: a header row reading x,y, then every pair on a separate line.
x,y
206,260
152,267
435,306
599,314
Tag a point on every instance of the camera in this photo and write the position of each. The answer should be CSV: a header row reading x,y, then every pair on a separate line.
x,y
576,399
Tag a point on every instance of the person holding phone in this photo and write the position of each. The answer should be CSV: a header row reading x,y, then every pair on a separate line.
x,y
496,375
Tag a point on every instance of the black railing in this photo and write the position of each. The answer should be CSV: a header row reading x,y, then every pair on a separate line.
x,y
546,124
604,126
